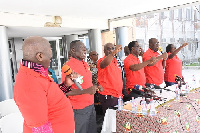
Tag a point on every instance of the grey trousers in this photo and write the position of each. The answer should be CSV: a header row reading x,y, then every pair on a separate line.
x,y
85,120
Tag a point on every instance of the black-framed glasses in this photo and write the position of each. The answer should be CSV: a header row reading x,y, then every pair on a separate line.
x,y
156,43
113,48
137,46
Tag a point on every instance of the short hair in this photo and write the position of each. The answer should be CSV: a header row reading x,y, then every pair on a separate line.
x,y
131,44
32,45
126,50
107,45
168,48
73,43
91,52
151,40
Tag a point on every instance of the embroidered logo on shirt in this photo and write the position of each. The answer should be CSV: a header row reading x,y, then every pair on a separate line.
x,y
80,80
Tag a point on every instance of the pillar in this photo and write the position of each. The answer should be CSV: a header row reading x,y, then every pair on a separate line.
x,y
95,41
6,83
122,38
69,39
18,48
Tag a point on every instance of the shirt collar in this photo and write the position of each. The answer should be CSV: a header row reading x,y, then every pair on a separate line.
x,y
152,51
36,67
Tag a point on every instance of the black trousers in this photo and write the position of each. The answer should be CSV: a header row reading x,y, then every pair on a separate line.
x,y
107,101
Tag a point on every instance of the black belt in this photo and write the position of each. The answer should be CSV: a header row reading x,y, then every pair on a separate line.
x,y
106,96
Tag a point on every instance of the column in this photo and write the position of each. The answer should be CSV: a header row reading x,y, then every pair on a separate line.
x,y
122,38
64,49
95,41
6,83
18,48
69,39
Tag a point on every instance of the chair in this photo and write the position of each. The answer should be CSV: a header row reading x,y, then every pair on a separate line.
x,y
12,123
7,107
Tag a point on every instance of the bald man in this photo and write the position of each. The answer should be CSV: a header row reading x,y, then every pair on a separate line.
x,y
154,72
109,77
43,105
82,100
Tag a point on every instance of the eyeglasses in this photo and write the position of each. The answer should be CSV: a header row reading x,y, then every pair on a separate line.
x,y
156,43
110,48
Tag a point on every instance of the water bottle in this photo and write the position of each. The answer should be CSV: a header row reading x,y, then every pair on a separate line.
x,y
144,107
193,81
177,93
120,103
187,88
151,86
133,105
152,108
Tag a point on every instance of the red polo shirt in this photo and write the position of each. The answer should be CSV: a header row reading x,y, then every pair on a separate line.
x,y
110,78
173,67
154,74
133,77
40,100
81,67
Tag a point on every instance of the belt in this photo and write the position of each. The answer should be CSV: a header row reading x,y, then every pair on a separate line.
x,y
106,96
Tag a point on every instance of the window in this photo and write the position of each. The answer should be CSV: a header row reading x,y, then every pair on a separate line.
x,y
172,40
162,15
195,16
180,14
171,15
188,14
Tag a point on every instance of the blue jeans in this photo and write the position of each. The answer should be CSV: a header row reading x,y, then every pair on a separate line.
x,y
169,83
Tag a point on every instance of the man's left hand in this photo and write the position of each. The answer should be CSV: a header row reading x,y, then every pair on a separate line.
x,y
99,88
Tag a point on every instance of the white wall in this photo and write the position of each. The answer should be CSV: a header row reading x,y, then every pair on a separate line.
x,y
11,19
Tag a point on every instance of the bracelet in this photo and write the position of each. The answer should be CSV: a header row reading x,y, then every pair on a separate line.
x,y
65,88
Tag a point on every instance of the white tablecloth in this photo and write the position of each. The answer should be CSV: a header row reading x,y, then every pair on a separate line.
x,y
109,124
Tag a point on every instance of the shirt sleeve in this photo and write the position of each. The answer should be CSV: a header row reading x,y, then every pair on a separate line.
x,y
64,88
98,64
129,62
146,56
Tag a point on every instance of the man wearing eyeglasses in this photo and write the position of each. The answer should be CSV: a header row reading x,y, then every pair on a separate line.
x,y
154,72
109,77
92,64
135,69
93,68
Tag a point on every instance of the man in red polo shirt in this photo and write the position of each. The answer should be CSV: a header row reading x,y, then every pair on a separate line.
x,y
82,100
173,64
134,69
154,72
109,77
43,105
